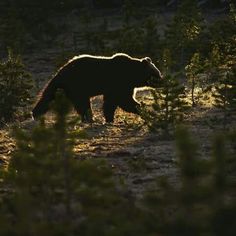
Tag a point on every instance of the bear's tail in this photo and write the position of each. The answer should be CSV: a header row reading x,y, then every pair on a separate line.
x,y
45,97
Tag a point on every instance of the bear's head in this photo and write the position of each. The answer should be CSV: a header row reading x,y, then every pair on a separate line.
x,y
148,70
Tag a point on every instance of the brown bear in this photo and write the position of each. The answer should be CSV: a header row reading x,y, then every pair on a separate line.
x,y
86,76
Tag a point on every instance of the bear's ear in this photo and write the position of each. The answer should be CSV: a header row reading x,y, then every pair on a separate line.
x,y
146,60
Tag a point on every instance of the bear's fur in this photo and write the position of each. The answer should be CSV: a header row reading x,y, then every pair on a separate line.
x,y
86,76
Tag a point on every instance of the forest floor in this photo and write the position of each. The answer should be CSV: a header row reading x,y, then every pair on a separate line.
x,y
136,155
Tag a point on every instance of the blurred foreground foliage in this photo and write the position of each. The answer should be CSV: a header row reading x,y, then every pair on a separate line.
x,y
48,190
203,202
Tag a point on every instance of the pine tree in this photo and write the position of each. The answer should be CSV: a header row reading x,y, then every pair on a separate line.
x,y
213,63
151,40
225,93
220,71
128,12
15,87
131,40
222,31
183,31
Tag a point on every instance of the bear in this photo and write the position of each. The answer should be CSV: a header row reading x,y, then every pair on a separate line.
x,y
86,76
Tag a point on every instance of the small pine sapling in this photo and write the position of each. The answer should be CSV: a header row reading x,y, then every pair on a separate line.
x,y
169,103
194,72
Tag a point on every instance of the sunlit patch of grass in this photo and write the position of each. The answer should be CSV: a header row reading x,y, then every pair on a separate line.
x,y
204,99
132,121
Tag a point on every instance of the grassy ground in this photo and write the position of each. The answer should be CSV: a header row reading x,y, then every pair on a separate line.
x,y
136,156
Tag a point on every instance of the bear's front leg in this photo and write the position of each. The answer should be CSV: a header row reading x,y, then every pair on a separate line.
x,y
129,105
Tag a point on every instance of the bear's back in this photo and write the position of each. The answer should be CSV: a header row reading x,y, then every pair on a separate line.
x,y
94,64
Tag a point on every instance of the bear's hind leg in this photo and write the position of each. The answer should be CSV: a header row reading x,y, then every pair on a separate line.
x,y
109,108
